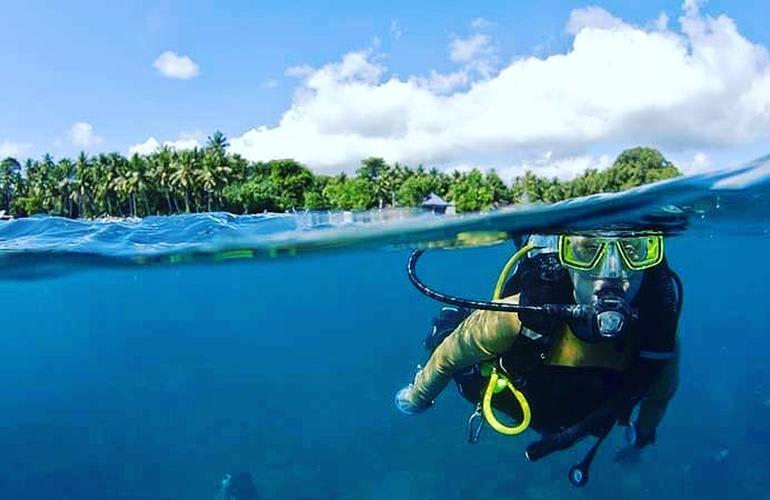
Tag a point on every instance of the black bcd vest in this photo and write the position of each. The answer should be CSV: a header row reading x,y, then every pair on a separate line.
x,y
562,396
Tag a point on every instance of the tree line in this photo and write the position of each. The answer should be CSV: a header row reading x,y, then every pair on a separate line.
x,y
211,179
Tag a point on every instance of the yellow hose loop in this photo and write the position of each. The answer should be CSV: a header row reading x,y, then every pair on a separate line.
x,y
507,269
489,414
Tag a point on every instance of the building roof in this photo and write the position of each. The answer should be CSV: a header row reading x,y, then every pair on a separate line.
x,y
434,200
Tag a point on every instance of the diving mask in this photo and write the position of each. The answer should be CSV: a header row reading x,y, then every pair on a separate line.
x,y
606,273
584,253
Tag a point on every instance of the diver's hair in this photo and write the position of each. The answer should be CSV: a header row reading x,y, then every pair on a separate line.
x,y
659,302
540,279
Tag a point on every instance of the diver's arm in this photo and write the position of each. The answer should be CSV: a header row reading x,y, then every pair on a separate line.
x,y
653,407
482,335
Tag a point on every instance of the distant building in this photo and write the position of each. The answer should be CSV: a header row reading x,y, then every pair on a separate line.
x,y
436,204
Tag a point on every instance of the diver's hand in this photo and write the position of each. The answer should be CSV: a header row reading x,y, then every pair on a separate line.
x,y
639,437
405,402
636,439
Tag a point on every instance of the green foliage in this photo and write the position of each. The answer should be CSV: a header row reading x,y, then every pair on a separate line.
x,y
349,194
10,183
471,192
500,192
634,167
257,195
210,178
291,181
314,196
414,189
416,185
638,166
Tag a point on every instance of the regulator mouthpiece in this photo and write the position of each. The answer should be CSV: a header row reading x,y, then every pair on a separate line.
x,y
611,313
610,323
607,317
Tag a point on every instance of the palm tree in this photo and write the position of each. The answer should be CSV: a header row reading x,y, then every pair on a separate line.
x,y
207,178
48,183
134,184
110,174
10,180
217,143
182,177
83,186
214,175
64,176
160,171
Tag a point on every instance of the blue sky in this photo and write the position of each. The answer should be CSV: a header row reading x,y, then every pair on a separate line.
x,y
86,76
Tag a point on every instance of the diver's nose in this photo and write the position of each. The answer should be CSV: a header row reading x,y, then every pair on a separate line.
x,y
612,265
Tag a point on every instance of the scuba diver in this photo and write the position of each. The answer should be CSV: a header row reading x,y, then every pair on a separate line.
x,y
583,333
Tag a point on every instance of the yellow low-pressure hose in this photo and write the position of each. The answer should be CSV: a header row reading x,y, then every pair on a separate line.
x,y
507,269
499,382
494,386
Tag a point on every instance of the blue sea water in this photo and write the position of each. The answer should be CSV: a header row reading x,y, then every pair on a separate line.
x,y
147,359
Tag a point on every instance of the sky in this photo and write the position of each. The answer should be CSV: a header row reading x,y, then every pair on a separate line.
x,y
550,86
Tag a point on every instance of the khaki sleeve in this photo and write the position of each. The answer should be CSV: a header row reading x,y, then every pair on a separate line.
x,y
653,407
483,335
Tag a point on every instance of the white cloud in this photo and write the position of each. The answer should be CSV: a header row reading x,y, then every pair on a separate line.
x,y
444,83
463,50
691,8
355,68
699,163
13,149
551,164
476,53
592,18
81,134
697,85
661,22
172,65
395,30
185,140
481,24
149,146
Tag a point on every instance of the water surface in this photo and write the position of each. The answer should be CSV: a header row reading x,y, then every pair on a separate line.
x,y
146,359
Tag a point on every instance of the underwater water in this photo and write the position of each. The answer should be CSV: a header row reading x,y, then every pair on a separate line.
x,y
147,359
